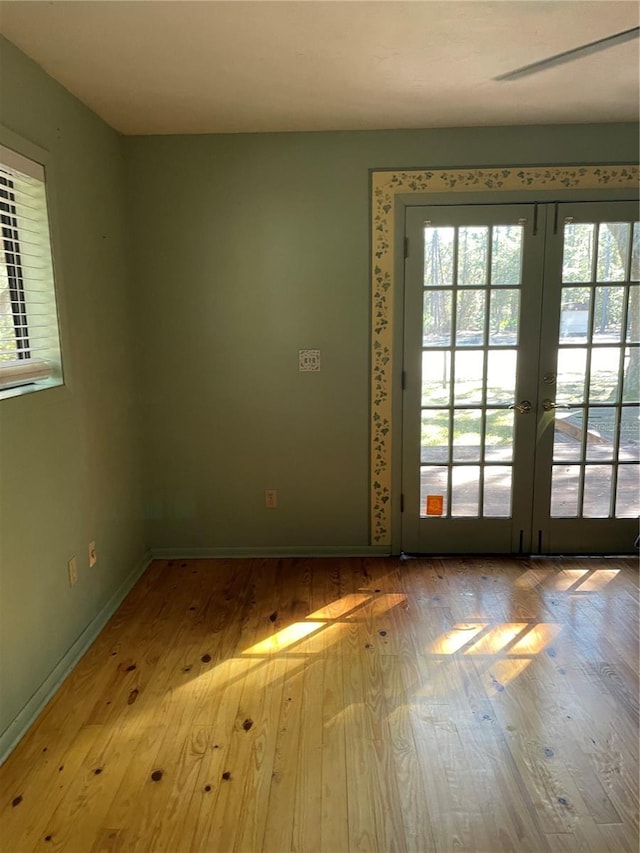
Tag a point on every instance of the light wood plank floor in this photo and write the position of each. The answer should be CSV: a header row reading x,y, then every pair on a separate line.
x,y
345,704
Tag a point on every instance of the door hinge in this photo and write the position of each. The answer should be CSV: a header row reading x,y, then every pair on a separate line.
x,y
401,503
535,220
404,379
406,247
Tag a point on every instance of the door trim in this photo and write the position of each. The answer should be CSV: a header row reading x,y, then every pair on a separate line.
x,y
391,192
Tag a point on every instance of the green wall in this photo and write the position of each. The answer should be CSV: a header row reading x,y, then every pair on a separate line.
x,y
248,248
69,457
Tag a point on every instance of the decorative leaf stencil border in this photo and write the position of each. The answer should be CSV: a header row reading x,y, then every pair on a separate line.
x,y
384,187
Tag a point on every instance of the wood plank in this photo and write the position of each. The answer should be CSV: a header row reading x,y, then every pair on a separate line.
x,y
334,829
374,814
285,780
413,800
250,817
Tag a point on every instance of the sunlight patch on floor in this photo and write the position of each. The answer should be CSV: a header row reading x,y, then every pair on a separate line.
x,y
567,578
597,580
285,638
497,638
336,609
536,639
321,641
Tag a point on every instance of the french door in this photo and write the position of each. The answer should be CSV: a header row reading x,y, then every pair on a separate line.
x,y
521,378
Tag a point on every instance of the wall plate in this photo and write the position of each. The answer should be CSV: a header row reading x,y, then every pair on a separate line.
x,y
309,360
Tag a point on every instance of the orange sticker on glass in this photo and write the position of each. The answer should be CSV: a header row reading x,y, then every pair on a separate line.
x,y
434,504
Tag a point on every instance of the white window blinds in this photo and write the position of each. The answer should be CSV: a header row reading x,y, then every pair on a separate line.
x,y
29,335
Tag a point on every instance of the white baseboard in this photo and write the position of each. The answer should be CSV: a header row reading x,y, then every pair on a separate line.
x,y
288,551
19,726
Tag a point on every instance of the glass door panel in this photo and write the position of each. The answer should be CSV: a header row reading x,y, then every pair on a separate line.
x,y
522,365
465,309
592,272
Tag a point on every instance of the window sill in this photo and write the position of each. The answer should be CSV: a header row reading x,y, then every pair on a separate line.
x,y
24,377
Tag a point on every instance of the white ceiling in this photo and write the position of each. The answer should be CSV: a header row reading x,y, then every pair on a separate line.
x,y
196,66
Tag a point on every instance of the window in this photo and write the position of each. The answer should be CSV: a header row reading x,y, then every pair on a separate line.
x,y
29,336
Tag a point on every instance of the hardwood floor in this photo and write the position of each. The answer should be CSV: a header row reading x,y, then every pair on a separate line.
x,y
345,704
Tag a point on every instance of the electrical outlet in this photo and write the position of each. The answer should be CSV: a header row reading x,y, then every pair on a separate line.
x,y
72,567
93,557
271,498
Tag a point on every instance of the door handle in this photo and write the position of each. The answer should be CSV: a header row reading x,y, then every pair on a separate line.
x,y
549,405
523,407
